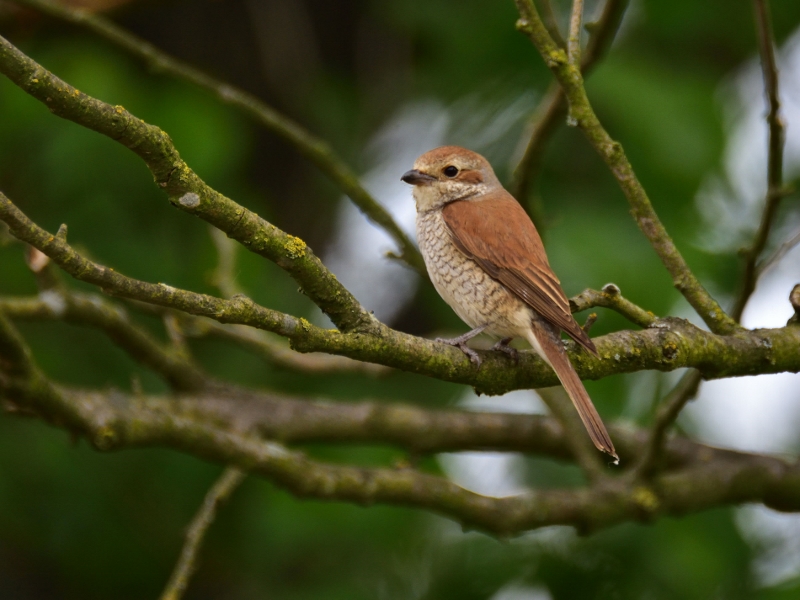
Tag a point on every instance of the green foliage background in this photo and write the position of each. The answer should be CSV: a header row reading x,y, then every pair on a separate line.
x,y
78,524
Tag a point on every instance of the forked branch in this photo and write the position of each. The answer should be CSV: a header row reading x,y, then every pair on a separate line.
x,y
313,148
776,126
569,76
552,109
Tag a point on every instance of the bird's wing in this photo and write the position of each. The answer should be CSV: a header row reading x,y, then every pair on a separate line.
x,y
497,233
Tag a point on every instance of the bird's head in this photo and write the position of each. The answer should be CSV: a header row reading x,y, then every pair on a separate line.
x,y
449,173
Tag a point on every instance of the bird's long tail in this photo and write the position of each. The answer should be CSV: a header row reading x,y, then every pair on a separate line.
x,y
547,343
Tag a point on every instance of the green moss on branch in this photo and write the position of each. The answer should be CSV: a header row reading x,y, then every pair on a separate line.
x,y
185,189
571,80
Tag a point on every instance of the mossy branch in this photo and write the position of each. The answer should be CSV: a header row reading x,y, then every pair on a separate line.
x,y
361,336
228,425
185,188
611,297
552,109
706,477
668,344
91,310
313,148
571,81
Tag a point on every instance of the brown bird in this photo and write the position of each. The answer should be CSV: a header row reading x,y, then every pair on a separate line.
x,y
487,261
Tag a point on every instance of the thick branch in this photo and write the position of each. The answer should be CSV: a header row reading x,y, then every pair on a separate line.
x,y
715,477
186,190
775,190
712,478
668,344
612,153
313,148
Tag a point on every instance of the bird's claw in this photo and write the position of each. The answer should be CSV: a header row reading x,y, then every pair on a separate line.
x,y
502,346
462,345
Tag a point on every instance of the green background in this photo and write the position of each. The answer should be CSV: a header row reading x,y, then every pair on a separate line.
x,y
78,524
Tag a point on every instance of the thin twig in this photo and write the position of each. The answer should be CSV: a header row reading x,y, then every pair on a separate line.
x,y
666,414
224,276
775,190
263,344
551,22
15,356
610,297
219,493
614,156
778,255
574,41
552,109
313,148
279,353
91,310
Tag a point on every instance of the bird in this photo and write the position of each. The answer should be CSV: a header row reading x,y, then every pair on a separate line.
x,y
487,261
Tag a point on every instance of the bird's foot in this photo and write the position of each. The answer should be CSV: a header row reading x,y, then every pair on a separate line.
x,y
502,346
460,342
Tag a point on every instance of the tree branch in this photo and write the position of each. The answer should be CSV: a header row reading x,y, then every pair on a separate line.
x,y
93,311
668,344
219,493
574,41
775,189
612,153
185,189
611,297
551,22
552,109
707,477
667,413
715,477
313,148
254,340
779,253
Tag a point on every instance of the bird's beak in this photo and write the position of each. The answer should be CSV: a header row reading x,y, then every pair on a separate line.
x,y
415,177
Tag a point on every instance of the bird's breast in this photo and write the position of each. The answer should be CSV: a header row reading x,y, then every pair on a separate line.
x,y
475,297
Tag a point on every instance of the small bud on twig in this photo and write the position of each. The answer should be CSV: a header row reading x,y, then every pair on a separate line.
x,y
611,289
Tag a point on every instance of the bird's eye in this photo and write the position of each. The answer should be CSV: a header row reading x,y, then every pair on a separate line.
x,y
450,171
